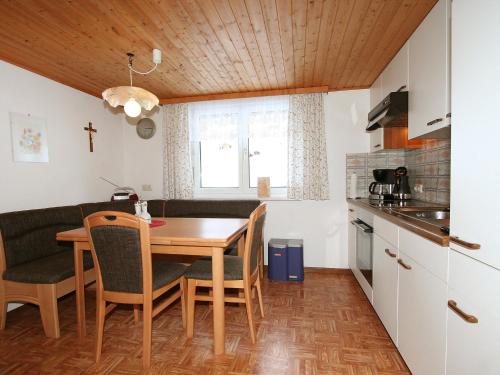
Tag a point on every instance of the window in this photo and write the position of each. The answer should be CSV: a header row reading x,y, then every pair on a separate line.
x,y
236,141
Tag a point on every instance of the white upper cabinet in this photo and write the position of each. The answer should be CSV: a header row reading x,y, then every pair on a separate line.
x,y
376,95
429,75
395,74
475,167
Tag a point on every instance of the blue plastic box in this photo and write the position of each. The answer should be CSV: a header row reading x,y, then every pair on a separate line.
x,y
295,259
277,260
286,259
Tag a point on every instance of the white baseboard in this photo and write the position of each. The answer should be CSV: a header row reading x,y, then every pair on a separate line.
x,y
13,306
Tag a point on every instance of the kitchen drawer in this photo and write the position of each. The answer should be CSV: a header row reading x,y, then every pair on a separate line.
x,y
429,255
386,230
477,282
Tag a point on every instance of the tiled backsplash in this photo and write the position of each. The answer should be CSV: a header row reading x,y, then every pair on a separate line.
x,y
429,166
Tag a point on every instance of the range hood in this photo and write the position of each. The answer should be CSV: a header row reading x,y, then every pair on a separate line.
x,y
390,112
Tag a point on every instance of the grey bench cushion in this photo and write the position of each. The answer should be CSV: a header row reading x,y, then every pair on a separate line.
x,y
202,269
30,235
210,208
156,207
47,270
122,206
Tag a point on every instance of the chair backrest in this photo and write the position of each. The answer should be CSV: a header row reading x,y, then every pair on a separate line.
x,y
121,251
253,241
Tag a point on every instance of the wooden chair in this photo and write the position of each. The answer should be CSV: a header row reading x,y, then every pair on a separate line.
x,y
239,273
125,273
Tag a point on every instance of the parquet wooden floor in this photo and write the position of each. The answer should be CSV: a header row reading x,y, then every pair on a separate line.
x,y
322,326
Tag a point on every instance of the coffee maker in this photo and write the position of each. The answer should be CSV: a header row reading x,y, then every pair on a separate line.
x,y
383,186
402,189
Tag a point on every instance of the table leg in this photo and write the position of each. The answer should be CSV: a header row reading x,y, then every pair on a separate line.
x,y
80,289
218,291
241,245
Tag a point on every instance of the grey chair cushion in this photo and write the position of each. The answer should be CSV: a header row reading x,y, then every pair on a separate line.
x,y
122,206
202,269
31,234
165,272
210,208
48,270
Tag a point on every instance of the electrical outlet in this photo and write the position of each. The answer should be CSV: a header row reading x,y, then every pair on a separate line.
x,y
419,188
146,188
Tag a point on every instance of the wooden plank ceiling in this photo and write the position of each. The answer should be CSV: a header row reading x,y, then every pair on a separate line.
x,y
209,46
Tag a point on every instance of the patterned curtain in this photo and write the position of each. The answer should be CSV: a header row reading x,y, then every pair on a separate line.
x,y
307,164
177,168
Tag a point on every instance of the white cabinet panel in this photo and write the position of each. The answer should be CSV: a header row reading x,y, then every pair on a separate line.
x,y
421,319
475,129
385,284
428,254
473,348
376,94
395,74
429,96
377,140
386,230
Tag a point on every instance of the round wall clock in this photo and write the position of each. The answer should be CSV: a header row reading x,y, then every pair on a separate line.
x,y
146,128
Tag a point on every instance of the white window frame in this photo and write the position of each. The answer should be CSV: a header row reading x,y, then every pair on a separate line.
x,y
244,191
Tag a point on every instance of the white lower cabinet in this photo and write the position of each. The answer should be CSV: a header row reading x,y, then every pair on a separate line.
x,y
421,318
473,324
385,284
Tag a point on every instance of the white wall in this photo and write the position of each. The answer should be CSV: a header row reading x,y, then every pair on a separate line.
x,y
72,174
143,158
322,225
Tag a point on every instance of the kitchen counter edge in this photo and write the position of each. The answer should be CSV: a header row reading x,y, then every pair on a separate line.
x,y
428,231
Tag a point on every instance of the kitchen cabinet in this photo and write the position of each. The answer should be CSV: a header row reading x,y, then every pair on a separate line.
x,y
395,75
393,78
422,304
385,284
429,75
474,141
473,326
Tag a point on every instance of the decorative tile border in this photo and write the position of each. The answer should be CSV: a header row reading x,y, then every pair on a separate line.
x,y
429,166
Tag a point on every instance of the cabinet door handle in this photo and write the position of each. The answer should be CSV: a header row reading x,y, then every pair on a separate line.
x,y
388,252
467,317
434,121
377,145
403,264
351,210
467,245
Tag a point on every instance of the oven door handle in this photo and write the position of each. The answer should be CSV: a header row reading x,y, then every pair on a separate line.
x,y
361,225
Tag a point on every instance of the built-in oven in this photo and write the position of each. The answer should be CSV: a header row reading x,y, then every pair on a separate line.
x,y
364,249
363,269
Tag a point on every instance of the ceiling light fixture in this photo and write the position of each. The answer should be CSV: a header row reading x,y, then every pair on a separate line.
x,y
133,99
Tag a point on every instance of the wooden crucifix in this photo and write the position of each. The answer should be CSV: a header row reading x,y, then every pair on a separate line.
x,y
91,130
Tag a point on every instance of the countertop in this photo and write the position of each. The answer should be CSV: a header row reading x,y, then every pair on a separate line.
x,y
429,231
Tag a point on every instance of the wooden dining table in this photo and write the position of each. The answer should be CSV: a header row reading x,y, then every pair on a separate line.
x,y
180,236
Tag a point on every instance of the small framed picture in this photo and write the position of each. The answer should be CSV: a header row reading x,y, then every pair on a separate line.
x,y
29,138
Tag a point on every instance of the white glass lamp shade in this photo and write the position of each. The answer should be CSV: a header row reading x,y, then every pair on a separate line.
x,y
132,108
130,97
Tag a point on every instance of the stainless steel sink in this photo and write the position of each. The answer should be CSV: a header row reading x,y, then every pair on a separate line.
x,y
433,215
429,215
